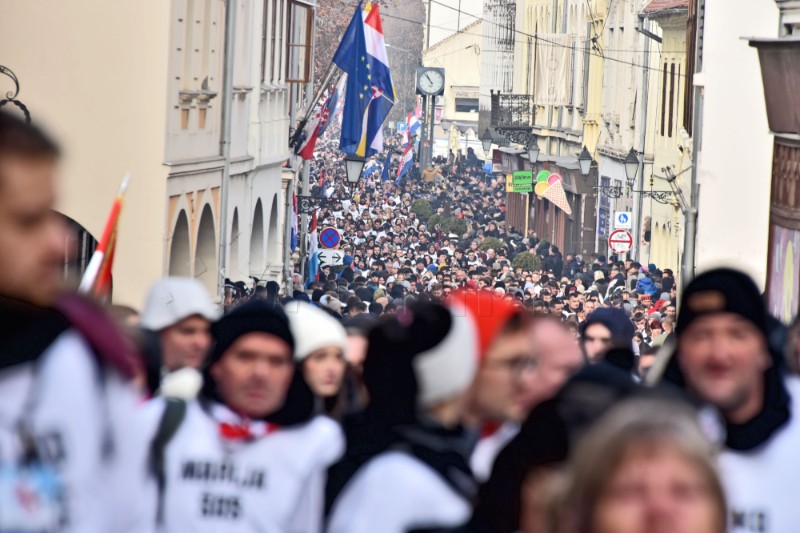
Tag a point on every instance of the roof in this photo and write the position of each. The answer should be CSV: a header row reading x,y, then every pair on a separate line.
x,y
458,33
658,6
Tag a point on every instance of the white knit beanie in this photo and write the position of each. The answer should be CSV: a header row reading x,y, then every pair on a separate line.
x,y
447,370
173,299
312,329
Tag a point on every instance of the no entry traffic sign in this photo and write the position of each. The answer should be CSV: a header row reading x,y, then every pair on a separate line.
x,y
620,241
329,238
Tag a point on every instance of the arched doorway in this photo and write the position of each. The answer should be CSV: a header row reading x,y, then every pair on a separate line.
x,y
79,248
180,256
205,263
233,265
257,241
273,244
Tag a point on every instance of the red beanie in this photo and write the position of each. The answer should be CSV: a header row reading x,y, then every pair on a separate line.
x,y
489,312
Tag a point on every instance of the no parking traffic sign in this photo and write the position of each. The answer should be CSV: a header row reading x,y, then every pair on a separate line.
x,y
329,238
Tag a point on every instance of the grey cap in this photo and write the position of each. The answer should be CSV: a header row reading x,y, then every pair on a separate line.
x,y
171,300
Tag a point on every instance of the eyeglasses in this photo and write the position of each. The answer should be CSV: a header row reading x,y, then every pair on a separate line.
x,y
515,365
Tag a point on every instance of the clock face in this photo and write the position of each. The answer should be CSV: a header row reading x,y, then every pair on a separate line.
x,y
431,81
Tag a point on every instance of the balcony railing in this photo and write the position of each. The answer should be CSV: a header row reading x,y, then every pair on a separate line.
x,y
512,111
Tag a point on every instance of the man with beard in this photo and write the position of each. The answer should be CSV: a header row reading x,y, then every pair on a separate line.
x,y
724,359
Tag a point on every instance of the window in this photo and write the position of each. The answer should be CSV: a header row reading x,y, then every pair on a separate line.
x,y
299,43
265,37
664,101
466,105
694,45
277,38
671,96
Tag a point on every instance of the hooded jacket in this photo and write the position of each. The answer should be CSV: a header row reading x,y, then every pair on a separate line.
x,y
645,285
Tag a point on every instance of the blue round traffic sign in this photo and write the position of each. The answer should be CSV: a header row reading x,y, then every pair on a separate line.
x,y
329,238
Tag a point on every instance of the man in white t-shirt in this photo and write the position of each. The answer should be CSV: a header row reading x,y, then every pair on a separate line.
x,y
724,358
72,446
249,455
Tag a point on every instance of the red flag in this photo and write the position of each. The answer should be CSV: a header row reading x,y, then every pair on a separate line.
x,y
97,277
313,226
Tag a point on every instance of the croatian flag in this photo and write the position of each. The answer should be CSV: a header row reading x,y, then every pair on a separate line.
x,y
369,95
316,128
413,125
406,162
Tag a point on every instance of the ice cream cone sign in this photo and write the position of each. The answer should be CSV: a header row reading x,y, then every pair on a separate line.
x,y
551,186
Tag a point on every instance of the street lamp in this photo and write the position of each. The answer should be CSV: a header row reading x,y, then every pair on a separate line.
x,y
533,149
631,166
446,125
486,140
676,190
355,167
585,161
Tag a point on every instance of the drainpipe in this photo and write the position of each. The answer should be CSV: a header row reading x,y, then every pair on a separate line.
x,y
690,224
225,143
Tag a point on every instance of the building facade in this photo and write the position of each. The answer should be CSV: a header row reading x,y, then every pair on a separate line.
x,y
779,59
663,222
160,118
733,183
538,84
459,56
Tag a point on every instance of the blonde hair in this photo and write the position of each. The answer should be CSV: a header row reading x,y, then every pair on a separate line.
x,y
634,423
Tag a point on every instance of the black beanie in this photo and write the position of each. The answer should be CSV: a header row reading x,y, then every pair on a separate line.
x,y
250,317
259,316
722,290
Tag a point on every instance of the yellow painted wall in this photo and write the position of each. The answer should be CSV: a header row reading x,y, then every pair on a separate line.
x,y
94,73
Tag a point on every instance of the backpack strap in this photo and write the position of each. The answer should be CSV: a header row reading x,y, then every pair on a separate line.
x,y
174,413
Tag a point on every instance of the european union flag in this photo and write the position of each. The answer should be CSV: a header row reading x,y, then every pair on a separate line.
x,y
351,57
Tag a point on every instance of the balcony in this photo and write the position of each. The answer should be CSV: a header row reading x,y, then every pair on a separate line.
x,y
512,115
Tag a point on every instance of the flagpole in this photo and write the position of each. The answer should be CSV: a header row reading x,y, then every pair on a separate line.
x,y
303,237
99,259
332,70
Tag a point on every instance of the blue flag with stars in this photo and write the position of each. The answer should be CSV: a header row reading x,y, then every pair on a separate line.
x,y
351,57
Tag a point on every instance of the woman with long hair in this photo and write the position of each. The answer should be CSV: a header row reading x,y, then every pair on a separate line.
x,y
645,466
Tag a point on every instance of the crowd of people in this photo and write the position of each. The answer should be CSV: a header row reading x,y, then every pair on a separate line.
x,y
434,383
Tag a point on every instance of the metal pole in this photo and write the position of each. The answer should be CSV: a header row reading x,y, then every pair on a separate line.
x,y
225,143
432,123
310,100
423,134
642,143
690,226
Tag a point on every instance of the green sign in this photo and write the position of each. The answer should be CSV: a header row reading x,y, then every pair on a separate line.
x,y
523,177
522,187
